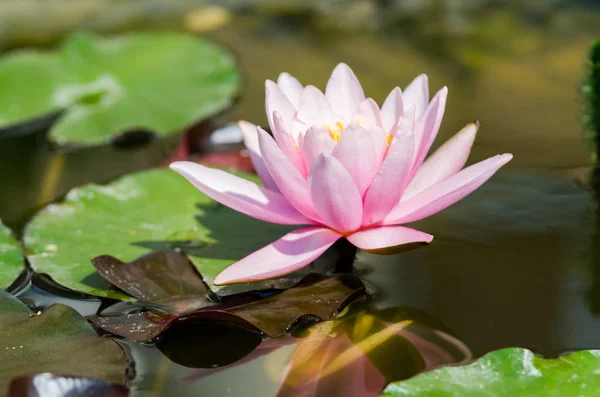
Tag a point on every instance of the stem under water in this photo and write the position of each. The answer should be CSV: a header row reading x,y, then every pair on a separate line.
x,y
346,255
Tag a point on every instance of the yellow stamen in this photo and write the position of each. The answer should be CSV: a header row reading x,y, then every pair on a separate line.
x,y
388,140
336,132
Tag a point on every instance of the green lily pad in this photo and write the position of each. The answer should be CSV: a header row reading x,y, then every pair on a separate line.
x,y
59,340
157,82
11,258
131,216
509,372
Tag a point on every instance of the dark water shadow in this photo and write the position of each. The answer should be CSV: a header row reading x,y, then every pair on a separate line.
x,y
509,266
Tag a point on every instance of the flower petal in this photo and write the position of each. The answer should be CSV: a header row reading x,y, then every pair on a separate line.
x,y
251,142
444,162
356,151
428,126
291,87
417,94
389,182
291,183
344,91
388,239
316,141
288,144
314,108
286,255
240,194
277,101
447,192
334,194
380,139
392,110
368,115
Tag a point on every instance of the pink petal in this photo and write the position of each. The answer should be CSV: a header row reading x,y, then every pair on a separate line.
x,y
251,142
368,115
386,239
445,162
344,91
447,192
314,108
291,183
356,151
428,126
316,141
286,255
334,194
240,194
407,121
417,94
291,87
392,110
288,144
389,182
277,101
379,138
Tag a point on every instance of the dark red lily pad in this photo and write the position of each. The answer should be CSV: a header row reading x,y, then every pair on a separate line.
x,y
157,275
175,292
58,341
51,385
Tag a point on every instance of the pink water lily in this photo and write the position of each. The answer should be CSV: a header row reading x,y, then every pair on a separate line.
x,y
345,168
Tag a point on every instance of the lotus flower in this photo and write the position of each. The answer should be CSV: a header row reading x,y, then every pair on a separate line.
x,y
344,168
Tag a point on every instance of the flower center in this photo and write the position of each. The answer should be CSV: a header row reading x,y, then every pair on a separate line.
x,y
336,131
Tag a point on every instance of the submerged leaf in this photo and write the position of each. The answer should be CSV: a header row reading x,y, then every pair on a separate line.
x,y
11,258
105,87
51,385
507,373
134,215
59,341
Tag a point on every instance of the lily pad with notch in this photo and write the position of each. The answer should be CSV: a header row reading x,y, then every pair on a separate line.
x,y
178,294
132,216
506,373
101,87
58,340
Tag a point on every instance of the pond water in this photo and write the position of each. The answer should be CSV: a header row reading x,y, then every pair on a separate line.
x,y
515,264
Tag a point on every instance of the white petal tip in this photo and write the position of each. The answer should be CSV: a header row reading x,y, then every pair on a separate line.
x,y
180,165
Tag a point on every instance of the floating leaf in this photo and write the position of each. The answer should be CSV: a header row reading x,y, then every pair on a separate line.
x,y
157,275
11,258
104,87
59,341
133,215
52,385
507,373
315,297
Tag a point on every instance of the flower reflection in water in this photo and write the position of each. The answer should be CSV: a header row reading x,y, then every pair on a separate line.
x,y
358,354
